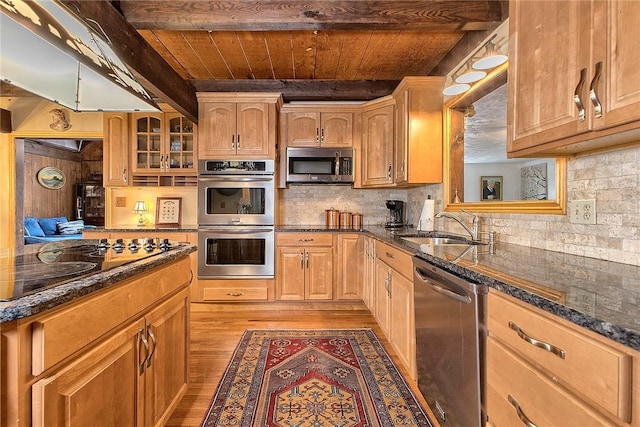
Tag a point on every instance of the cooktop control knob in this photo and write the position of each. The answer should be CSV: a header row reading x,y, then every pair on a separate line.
x,y
104,244
165,244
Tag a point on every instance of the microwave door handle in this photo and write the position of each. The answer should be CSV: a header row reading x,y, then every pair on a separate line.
x,y
337,168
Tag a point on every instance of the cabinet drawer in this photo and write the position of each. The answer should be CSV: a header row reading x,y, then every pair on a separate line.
x,y
304,239
590,368
397,259
59,335
234,294
513,381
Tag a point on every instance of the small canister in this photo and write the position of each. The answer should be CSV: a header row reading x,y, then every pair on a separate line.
x,y
345,220
332,218
356,221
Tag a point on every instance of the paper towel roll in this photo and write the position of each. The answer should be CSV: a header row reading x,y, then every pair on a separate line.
x,y
426,216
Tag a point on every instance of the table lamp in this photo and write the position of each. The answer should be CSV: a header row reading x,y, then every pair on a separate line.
x,y
140,208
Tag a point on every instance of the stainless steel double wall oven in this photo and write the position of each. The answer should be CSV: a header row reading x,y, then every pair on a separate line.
x,y
236,215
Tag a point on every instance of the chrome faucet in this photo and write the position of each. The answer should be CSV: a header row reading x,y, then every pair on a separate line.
x,y
472,231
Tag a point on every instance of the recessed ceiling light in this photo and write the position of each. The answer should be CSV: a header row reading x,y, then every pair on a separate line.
x,y
456,89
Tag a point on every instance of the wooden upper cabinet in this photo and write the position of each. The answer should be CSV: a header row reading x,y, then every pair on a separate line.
x,y
418,142
116,149
378,143
309,126
237,125
569,103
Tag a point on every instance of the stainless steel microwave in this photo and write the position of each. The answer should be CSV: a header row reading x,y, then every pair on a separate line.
x,y
320,165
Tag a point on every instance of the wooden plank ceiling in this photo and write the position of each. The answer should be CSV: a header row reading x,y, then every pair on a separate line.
x,y
306,50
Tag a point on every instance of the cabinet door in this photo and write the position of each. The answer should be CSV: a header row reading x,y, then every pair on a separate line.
x,y
319,275
336,129
216,130
166,372
377,146
290,274
115,148
351,268
542,83
381,296
303,129
369,272
402,323
101,385
253,129
616,36
181,146
147,141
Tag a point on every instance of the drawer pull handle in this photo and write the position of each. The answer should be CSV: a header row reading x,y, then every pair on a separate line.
x,y
390,255
543,345
235,294
154,341
304,240
142,339
525,420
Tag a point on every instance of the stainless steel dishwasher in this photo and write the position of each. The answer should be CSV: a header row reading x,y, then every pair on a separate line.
x,y
450,333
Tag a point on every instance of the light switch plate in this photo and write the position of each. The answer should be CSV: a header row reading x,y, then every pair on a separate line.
x,y
121,202
582,211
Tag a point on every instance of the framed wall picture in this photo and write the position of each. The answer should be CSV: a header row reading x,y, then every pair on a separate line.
x,y
168,212
491,188
51,178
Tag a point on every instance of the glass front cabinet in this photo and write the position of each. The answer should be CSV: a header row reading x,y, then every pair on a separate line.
x,y
163,143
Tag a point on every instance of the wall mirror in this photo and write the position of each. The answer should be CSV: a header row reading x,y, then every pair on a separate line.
x,y
479,177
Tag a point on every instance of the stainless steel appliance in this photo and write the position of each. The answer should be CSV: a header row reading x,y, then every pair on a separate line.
x,y
450,335
236,192
236,214
236,252
320,165
396,212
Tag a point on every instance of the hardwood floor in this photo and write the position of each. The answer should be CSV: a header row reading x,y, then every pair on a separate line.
x,y
216,332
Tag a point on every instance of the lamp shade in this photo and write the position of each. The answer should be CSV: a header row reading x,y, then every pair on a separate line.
x,y
456,89
49,52
140,207
491,59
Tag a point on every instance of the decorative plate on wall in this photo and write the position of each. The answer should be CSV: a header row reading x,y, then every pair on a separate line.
x,y
51,178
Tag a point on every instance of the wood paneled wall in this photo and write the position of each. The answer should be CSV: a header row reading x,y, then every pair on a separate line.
x,y
43,202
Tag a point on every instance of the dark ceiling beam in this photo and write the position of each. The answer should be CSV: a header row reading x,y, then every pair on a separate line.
x,y
153,71
305,90
289,15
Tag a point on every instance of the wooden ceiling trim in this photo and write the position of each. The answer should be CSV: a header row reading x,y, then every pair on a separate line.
x,y
376,63
278,15
330,47
305,90
184,52
429,51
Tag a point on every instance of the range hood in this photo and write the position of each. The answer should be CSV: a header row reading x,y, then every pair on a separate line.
x,y
50,52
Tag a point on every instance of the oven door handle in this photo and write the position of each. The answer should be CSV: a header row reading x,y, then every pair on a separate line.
x,y
237,231
236,179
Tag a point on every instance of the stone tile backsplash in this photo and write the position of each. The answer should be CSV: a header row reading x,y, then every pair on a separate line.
x,y
613,179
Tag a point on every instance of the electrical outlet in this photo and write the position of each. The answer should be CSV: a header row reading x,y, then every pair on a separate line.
x,y
582,211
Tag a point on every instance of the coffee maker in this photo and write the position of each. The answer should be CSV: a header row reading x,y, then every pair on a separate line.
x,y
396,210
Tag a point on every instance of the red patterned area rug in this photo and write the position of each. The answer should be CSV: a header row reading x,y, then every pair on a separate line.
x,y
313,378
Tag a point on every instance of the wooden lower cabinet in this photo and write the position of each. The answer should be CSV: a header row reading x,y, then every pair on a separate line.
x,y
118,357
304,266
393,305
553,373
349,267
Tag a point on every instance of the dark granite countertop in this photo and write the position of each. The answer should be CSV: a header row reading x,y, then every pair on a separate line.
x,y
49,298
599,295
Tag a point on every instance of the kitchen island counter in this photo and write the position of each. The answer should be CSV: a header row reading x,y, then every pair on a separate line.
x,y
599,295
70,290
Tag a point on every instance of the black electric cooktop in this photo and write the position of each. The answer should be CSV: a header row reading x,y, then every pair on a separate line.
x,y
57,263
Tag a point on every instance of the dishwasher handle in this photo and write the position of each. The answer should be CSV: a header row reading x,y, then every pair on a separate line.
x,y
442,286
